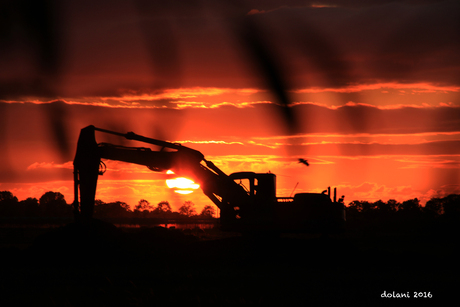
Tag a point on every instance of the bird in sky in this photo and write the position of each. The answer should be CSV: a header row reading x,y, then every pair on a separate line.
x,y
303,161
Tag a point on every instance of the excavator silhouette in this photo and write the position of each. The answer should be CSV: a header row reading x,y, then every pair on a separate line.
x,y
252,206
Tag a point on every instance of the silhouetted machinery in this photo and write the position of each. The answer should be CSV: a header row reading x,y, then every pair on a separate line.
x,y
247,200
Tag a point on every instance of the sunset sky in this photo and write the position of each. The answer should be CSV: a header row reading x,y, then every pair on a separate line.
x,y
366,91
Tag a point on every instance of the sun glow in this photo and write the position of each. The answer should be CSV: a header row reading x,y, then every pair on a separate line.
x,y
181,185
184,192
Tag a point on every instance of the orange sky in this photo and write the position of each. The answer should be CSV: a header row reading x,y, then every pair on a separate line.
x,y
373,99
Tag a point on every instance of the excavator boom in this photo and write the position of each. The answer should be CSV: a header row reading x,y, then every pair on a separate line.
x,y
247,200
182,160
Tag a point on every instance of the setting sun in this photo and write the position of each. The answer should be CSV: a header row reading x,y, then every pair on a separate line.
x,y
181,185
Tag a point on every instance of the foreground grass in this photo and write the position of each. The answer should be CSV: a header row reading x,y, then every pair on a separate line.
x,y
106,266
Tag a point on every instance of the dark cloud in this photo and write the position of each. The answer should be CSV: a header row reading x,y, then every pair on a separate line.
x,y
391,42
86,48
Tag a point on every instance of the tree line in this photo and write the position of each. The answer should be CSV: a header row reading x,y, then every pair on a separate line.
x,y
53,204
438,214
448,206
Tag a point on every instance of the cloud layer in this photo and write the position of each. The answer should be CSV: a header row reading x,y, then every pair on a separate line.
x,y
87,50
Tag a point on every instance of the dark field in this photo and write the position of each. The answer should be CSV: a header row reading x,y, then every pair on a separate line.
x,y
101,265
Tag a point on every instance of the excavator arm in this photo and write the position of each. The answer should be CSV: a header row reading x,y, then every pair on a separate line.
x,y
184,161
248,205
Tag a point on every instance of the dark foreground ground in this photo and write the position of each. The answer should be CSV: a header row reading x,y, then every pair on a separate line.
x,y
101,265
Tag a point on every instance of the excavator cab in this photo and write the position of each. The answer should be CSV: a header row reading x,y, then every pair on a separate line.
x,y
257,212
260,186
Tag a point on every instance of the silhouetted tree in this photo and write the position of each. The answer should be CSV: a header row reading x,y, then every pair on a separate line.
x,y
143,208
393,205
99,208
29,207
411,205
162,207
54,204
385,210
123,205
356,205
433,207
361,208
367,207
109,210
143,205
7,196
8,203
353,209
208,211
187,209
451,205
